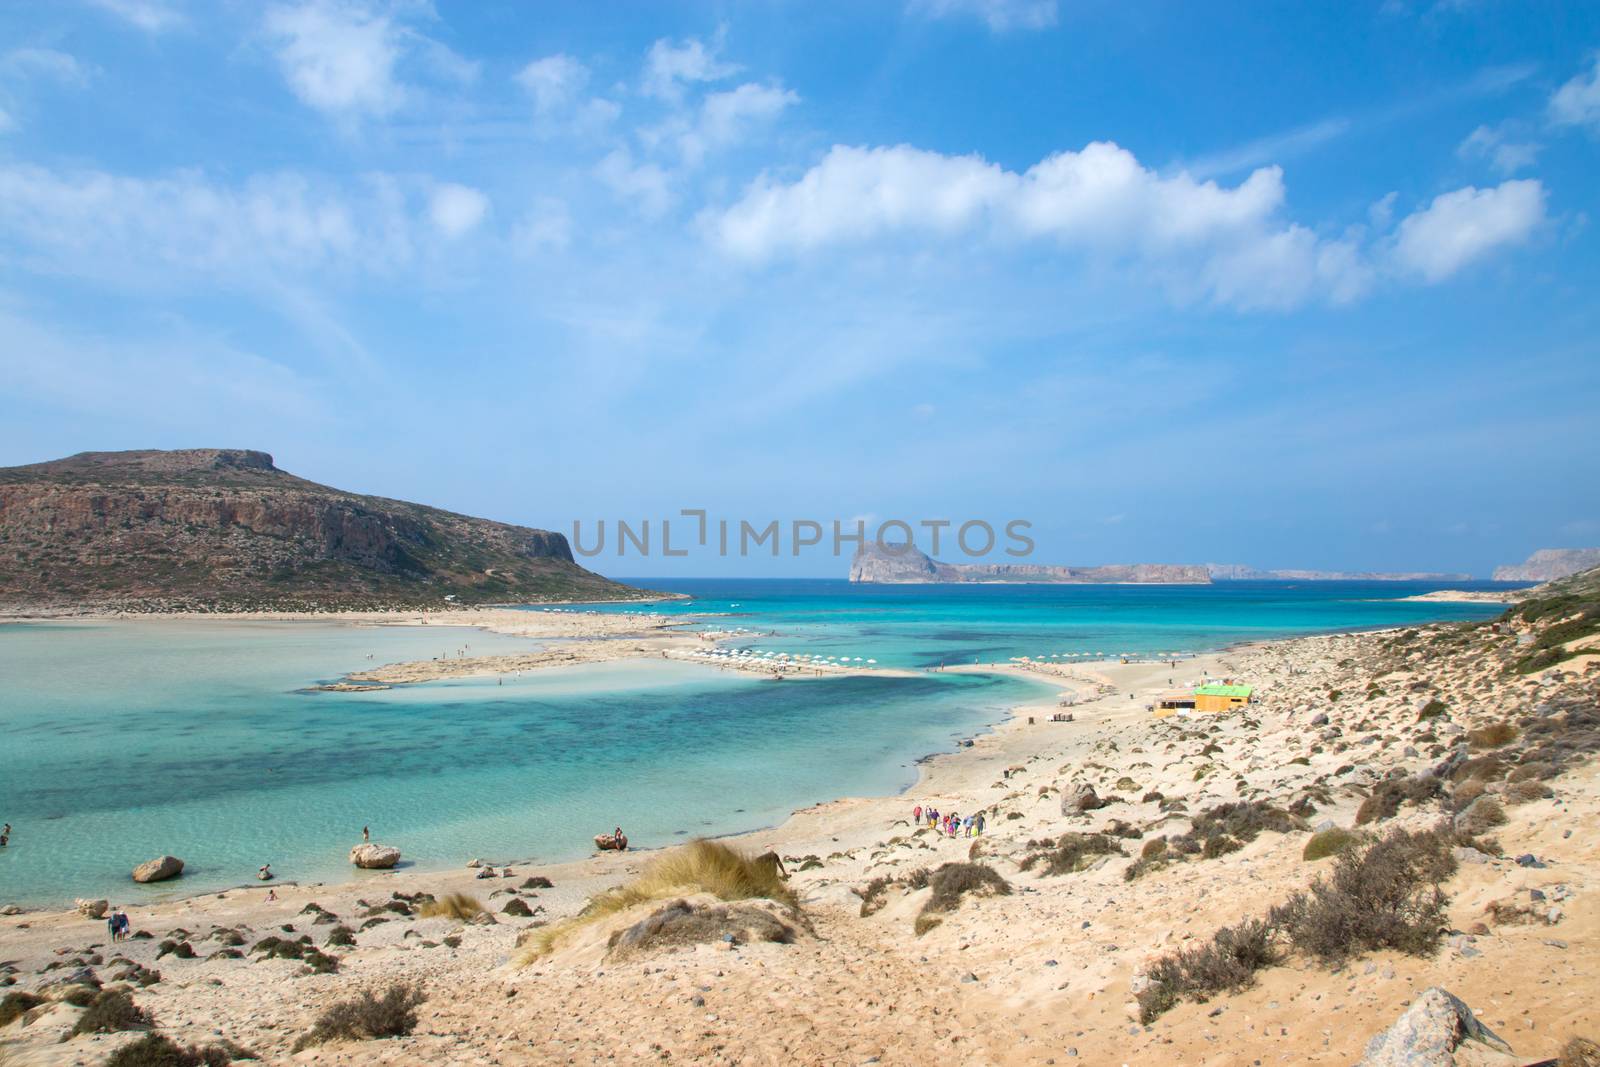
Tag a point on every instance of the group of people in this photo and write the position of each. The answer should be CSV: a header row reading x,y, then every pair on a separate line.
x,y
117,925
949,824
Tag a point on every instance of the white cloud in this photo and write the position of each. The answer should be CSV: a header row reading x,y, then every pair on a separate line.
x,y
1463,226
645,183
669,67
132,229
1000,15
554,82
1100,200
723,119
725,115
546,227
456,209
152,16
29,63
1503,155
1577,103
338,57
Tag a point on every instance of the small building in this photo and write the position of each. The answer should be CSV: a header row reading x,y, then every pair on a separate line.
x,y
1218,697
1171,703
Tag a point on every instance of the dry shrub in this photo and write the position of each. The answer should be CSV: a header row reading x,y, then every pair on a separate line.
x,y
15,1004
158,1050
1244,820
112,1011
1225,964
681,923
1072,853
698,867
953,881
1579,1052
456,906
1329,843
1527,790
1382,895
1465,793
875,895
367,1017
1385,800
1495,735
1481,816
1156,846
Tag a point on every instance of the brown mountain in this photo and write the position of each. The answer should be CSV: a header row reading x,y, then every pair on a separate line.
x,y
225,529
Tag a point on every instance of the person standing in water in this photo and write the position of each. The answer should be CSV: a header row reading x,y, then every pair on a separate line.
x,y
366,833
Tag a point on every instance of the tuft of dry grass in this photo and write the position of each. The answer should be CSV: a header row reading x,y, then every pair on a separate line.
x,y
456,906
697,867
1495,735
950,883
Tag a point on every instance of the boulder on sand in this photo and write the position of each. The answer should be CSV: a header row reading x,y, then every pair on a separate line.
x,y
158,870
375,857
1438,1030
92,909
1081,799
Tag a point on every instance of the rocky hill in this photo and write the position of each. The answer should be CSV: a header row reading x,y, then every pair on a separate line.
x,y
1239,572
225,529
1548,564
874,563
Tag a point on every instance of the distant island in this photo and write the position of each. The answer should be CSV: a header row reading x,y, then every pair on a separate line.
x,y
873,563
221,529
1548,564
1240,572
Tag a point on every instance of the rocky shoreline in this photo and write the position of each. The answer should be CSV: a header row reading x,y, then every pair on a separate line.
x,y
1050,970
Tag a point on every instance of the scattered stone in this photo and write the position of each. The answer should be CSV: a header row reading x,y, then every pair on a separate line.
x,y
375,857
1430,1034
93,909
158,870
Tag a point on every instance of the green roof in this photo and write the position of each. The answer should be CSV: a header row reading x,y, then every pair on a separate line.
x,y
1224,691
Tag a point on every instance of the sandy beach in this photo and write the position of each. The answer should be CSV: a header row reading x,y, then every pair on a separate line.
x,y
1044,974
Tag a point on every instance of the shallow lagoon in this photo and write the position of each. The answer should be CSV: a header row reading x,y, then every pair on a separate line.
x,y
128,740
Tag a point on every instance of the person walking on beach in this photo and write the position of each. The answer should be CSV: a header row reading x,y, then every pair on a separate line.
x,y
916,815
977,824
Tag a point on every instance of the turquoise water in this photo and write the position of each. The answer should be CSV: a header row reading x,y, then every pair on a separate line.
x,y
923,626
127,740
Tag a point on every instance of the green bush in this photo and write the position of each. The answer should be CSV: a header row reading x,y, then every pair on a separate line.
x,y
1328,843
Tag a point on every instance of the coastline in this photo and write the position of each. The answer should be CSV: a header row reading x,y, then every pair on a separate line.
x,y
871,987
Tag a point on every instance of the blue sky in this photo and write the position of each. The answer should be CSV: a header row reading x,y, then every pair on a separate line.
x,y
1295,285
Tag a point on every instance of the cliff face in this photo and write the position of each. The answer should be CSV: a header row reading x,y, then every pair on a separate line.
x,y
873,563
224,528
1548,564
